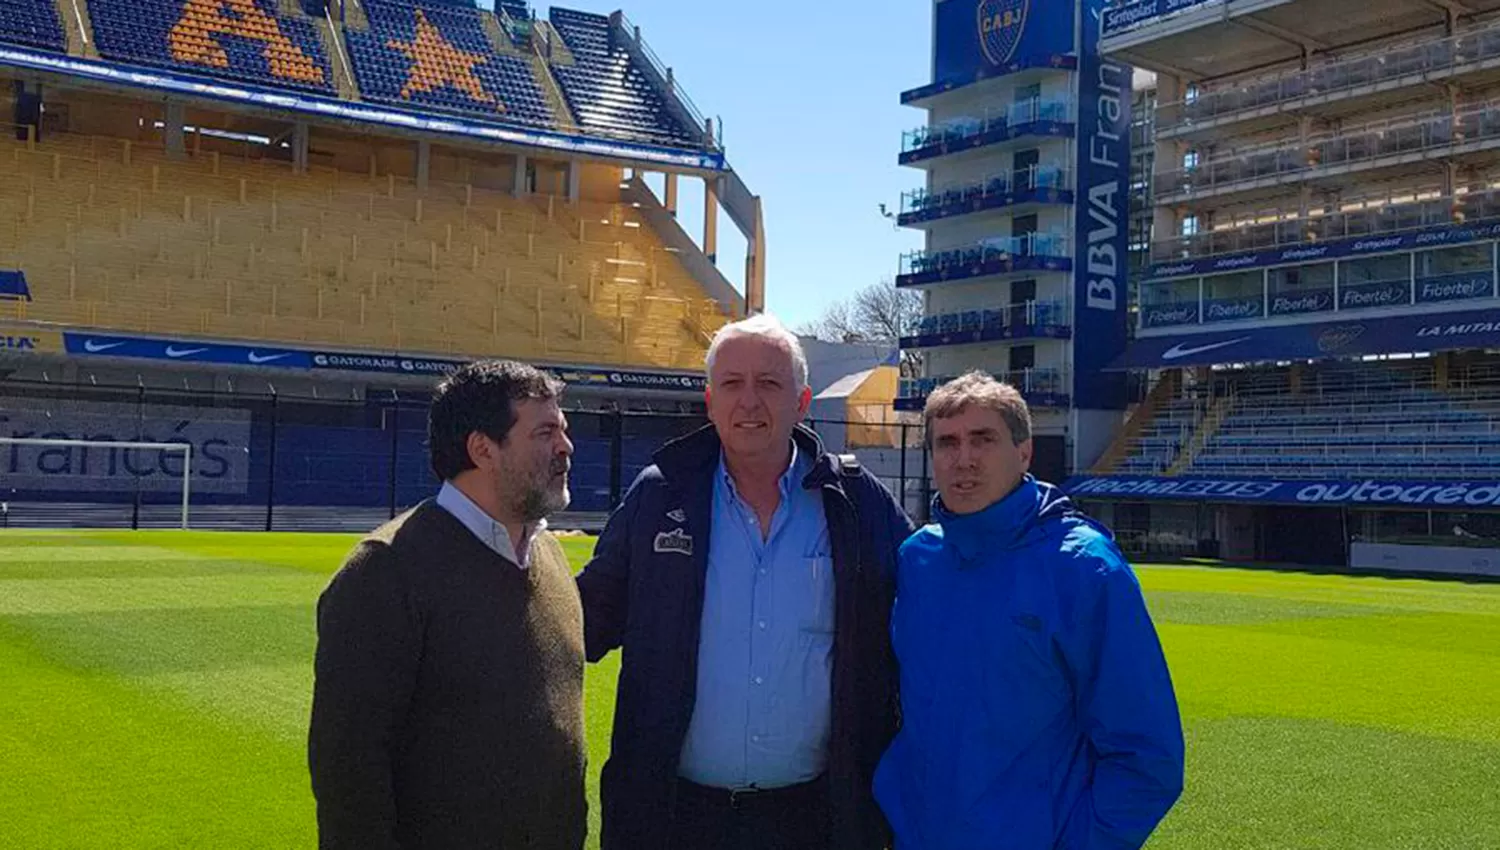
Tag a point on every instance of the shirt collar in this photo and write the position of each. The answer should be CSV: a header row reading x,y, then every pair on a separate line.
x,y
789,478
483,526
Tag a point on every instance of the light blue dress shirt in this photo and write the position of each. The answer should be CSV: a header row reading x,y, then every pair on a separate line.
x,y
765,657
491,533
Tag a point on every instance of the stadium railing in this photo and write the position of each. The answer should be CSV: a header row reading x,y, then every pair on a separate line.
x,y
1356,145
1392,211
1420,62
1049,245
960,197
1032,314
1040,381
993,120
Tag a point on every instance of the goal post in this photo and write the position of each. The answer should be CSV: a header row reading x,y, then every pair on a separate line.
x,y
186,449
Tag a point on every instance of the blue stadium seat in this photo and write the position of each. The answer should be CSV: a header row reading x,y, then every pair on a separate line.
x,y
1347,422
605,89
32,23
438,57
246,40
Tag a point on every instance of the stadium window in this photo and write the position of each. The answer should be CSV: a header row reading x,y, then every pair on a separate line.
x,y
1023,225
1022,291
1189,225
1190,160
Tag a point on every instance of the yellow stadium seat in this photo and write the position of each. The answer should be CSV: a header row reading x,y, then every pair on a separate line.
x,y
248,250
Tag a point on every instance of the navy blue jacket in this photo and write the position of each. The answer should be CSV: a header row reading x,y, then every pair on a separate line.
x,y
1037,710
643,593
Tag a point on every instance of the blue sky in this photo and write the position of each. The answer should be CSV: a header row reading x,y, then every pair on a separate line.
x,y
809,95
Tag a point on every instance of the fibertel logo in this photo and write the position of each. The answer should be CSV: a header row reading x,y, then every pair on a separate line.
x,y
1334,339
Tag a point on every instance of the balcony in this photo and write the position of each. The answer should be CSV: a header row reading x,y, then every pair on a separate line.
x,y
1031,320
1026,69
1358,218
1347,79
1019,120
1361,149
1042,388
1035,184
993,256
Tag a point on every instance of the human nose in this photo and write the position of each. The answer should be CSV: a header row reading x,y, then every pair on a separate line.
x,y
749,399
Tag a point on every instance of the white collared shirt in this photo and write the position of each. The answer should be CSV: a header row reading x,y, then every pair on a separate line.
x,y
491,533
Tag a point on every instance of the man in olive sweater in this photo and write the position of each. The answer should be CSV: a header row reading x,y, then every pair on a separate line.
x,y
448,703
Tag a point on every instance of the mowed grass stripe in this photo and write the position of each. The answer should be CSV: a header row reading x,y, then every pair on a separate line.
x,y
1224,672
88,761
1278,783
102,595
1321,711
1339,590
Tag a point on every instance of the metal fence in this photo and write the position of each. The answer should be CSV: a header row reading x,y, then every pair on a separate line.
x,y
275,462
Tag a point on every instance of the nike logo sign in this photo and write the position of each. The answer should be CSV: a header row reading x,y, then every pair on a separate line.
x,y
95,347
1178,351
258,359
174,351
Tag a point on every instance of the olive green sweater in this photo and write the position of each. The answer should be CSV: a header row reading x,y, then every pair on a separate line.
x,y
448,701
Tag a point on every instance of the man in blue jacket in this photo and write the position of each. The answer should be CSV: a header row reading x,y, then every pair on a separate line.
x,y
748,578
1037,711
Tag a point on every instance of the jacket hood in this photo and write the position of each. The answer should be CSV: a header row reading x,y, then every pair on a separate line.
x,y
1032,512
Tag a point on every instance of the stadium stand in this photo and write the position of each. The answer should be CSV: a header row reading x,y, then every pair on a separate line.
x,y
514,8
33,23
605,89
441,56
248,40
121,237
1342,421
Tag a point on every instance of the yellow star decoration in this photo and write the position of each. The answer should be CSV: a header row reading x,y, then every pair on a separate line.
x,y
436,62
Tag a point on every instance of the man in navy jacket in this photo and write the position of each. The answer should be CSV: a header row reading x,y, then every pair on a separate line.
x,y
748,578
1037,711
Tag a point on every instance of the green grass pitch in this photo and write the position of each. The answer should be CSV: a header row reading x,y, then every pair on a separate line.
x,y
154,690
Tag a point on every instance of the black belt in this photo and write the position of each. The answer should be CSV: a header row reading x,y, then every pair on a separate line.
x,y
740,799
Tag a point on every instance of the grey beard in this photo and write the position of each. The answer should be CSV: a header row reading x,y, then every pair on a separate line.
x,y
539,503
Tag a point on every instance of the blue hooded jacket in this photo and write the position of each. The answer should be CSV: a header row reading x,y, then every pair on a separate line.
x,y
1037,710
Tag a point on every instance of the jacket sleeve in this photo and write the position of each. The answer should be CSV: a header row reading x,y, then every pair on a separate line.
x,y
604,584
369,646
884,522
1126,706
898,524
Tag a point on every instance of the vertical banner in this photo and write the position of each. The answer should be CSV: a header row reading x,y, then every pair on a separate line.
x,y
1101,219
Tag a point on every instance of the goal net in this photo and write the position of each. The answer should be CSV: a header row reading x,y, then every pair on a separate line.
x,y
92,460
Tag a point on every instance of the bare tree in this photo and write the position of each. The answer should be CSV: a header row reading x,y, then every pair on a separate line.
x,y
881,313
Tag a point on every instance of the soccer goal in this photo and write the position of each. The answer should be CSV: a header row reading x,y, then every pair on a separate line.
x,y
184,449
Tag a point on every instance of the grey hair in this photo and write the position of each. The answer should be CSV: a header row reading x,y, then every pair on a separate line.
x,y
767,327
979,389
